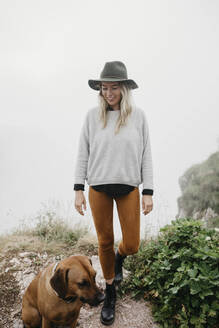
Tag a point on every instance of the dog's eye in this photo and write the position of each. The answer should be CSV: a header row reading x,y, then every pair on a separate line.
x,y
84,283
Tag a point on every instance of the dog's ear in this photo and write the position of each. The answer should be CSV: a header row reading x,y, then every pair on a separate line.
x,y
90,261
59,282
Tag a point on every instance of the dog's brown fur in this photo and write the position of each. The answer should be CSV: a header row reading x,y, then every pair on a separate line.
x,y
43,302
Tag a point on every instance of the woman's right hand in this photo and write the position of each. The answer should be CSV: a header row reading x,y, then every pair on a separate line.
x,y
79,201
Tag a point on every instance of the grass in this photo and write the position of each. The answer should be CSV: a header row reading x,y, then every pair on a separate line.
x,y
50,233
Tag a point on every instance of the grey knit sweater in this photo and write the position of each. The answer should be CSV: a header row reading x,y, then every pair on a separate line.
x,y
106,158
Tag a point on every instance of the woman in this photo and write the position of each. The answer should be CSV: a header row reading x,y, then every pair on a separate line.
x,y
114,156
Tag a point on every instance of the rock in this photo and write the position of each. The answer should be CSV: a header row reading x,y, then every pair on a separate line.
x,y
17,324
25,254
44,256
27,279
15,261
2,263
209,214
24,280
28,261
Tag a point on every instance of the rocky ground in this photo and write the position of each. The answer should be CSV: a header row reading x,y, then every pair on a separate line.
x,y
17,269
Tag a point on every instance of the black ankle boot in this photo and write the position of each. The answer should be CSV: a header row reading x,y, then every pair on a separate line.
x,y
108,310
118,267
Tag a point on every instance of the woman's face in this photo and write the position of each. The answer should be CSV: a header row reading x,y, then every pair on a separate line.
x,y
111,93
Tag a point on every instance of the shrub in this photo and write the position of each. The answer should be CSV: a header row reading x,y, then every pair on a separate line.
x,y
179,273
49,228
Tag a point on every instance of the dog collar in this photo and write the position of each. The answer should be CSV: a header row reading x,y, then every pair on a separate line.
x,y
54,268
69,299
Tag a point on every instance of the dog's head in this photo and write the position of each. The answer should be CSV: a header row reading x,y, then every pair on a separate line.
x,y
74,278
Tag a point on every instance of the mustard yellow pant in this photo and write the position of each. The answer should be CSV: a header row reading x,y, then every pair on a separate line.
x,y
128,207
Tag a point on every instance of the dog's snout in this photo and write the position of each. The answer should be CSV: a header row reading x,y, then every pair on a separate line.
x,y
96,300
100,297
83,300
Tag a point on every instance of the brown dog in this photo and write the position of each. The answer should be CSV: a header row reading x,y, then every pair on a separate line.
x,y
57,293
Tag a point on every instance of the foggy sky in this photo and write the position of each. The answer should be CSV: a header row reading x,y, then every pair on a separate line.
x,y
49,49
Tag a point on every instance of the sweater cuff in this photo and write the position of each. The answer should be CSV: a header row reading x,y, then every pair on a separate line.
x,y
147,192
78,187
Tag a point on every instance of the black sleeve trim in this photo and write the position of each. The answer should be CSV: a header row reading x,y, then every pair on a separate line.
x,y
78,187
147,192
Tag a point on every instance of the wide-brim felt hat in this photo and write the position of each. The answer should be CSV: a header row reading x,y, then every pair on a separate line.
x,y
114,71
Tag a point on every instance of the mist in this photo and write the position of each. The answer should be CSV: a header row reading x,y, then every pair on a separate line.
x,y
49,49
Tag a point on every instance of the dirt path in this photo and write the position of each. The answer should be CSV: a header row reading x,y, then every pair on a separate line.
x,y
18,269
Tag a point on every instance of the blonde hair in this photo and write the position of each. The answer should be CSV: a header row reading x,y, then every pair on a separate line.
x,y
126,106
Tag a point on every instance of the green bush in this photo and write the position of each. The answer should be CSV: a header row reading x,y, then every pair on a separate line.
x,y
179,273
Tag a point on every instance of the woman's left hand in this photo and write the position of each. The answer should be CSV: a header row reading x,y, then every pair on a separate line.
x,y
147,204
